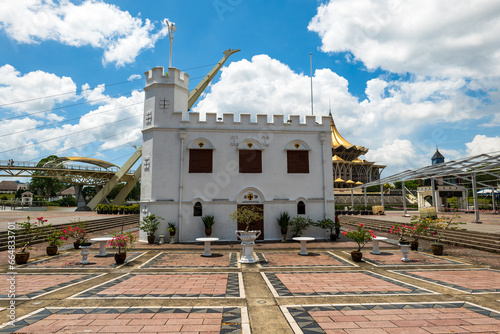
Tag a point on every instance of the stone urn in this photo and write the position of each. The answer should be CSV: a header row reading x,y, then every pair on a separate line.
x,y
247,242
405,249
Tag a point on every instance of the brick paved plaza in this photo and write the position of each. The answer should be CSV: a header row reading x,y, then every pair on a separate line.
x,y
175,290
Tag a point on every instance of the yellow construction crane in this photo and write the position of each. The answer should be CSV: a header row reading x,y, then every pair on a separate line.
x,y
131,180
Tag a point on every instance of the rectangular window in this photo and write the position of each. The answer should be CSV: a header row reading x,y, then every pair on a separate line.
x,y
297,161
200,161
250,161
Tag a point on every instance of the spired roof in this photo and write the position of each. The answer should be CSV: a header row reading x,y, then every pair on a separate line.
x,y
338,140
437,155
337,158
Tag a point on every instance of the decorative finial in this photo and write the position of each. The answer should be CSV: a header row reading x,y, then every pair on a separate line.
x,y
171,29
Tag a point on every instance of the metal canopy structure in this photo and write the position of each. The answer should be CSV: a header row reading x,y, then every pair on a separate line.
x,y
467,169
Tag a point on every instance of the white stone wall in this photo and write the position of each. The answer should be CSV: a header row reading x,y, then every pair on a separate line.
x,y
168,133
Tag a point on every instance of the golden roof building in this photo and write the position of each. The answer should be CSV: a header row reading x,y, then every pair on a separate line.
x,y
348,169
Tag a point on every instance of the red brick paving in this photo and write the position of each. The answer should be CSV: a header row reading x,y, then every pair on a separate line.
x,y
394,257
430,320
171,284
26,284
72,260
337,282
293,259
128,323
469,279
190,260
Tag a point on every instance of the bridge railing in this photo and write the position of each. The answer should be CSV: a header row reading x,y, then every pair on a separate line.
x,y
28,164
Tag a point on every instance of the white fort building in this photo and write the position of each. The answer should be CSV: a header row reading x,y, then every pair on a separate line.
x,y
192,168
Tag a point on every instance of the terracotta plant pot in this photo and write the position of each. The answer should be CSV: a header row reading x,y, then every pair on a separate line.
x,y
76,244
437,249
51,250
208,232
22,258
414,245
120,257
151,239
356,256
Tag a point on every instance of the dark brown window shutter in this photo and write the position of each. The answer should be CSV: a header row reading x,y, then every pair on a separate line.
x,y
200,161
250,161
297,161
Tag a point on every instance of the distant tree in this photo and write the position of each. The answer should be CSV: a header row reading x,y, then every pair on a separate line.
x,y
46,186
133,195
410,184
89,192
19,192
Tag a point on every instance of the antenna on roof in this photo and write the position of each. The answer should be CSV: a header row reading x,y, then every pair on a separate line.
x,y
311,67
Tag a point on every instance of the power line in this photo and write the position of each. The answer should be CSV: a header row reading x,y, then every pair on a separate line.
x,y
66,106
90,88
67,93
66,135
67,120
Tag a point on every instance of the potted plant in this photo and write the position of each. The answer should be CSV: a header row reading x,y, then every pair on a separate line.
x,y
150,225
247,215
299,225
124,242
420,227
28,233
438,226
172,229
283,221
361,237
327,224
337,226
208,221
55,239
403,231
76,232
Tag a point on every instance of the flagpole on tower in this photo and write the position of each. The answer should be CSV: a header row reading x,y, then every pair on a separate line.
x,y
311,65
171,28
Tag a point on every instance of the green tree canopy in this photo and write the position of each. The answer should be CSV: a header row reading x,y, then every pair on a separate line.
x,y
46,186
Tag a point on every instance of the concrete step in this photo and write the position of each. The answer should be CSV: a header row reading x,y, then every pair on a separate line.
x,y
91,226
471,239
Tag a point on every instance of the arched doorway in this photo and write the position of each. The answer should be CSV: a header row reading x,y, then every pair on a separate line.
x,y
253,198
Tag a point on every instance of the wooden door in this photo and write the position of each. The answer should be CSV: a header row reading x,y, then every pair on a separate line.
x,y
256,225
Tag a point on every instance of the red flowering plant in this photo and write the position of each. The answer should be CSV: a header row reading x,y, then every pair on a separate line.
x,y
417,228
76,232
360,236
122,241
30,231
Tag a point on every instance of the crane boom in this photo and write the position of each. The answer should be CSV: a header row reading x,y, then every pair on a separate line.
x,y
196,92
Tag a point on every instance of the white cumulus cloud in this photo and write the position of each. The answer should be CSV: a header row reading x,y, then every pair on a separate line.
x,y
33,92
91,22
454,38
483,144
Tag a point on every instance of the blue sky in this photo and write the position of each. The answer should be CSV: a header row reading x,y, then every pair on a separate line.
x,y
402,77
